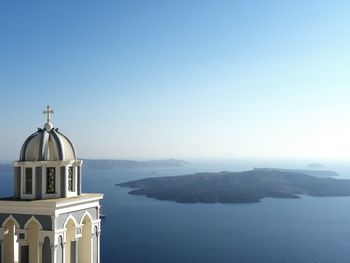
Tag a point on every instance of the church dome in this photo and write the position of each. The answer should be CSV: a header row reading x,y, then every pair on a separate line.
x,y
47,144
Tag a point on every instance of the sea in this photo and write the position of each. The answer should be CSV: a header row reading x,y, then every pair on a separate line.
x,y
138,229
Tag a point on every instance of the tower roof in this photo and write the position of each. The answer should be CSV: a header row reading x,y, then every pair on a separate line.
x,y
47,144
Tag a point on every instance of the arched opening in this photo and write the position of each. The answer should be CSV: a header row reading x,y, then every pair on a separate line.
x,y
46,253
85,241
10,241
33,241
70,241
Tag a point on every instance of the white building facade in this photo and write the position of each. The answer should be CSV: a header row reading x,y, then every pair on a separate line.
x,y
49,219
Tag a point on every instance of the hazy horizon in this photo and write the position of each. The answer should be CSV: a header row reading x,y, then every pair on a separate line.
x,y
252,162
183,79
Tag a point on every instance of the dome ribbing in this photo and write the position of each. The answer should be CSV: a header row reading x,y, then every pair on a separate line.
x,y
47,145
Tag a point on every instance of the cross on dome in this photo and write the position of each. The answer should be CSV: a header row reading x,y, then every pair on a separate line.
x,y
48,125
48,112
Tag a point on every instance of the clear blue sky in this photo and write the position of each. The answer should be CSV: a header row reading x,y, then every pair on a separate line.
x,y
183,79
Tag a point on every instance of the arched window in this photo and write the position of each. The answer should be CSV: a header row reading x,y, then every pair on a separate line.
x,y
70,179
28,178
50,180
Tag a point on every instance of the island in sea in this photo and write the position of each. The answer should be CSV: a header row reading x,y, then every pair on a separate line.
x,y
238,187
315,165
317,173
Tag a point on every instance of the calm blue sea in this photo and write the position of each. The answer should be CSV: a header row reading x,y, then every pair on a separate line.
x,y
139,229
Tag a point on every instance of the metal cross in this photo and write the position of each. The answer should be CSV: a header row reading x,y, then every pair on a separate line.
x,y
48,112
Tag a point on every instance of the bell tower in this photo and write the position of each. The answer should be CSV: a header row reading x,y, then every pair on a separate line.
x,y
48,219
48,166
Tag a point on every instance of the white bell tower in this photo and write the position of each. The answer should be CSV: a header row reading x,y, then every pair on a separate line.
x,y
48,219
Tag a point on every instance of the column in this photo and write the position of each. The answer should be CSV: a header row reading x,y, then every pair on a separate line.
x,y
40,251
53,253
92,248
1,251
98,247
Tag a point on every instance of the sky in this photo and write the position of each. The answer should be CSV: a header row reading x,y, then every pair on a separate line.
x,y
178,79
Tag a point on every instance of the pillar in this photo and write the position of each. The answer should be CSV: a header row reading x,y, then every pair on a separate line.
x,y
53,253
1,251
98,247
41,251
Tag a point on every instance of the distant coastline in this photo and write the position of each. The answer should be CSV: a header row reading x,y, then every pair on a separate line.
x,y
315,165
316,173
5,167
238,187
109,164
106,164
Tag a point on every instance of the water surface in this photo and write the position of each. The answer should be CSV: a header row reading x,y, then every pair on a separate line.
x,y
139,229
